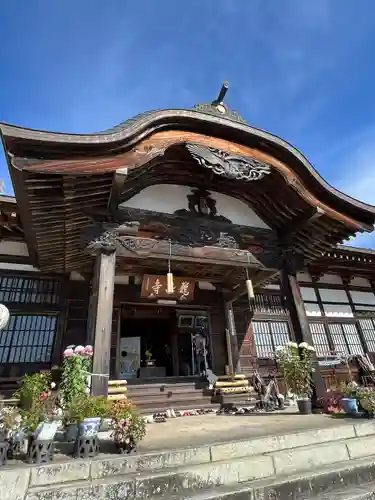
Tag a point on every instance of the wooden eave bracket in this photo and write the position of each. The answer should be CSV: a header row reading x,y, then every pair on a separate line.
x,y
300,223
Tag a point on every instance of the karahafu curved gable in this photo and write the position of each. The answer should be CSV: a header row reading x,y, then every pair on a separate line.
x,y
170,198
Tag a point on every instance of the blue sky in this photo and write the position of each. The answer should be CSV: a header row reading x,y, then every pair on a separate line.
x,y
302,69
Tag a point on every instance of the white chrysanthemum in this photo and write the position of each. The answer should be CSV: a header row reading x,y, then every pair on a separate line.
x,y
304,345
310,348
293,344
279,348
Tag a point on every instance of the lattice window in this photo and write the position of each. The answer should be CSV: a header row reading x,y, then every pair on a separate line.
x,y
268,303
368,330
29,290
28,339
268,335
320,339
345,338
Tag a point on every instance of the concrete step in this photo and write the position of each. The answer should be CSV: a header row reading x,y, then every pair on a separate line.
x,y
341,482
345,481
309,461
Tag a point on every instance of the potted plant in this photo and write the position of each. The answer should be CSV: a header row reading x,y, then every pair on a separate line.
x,y
127,426
10,429
75,383
366,397
40,422
351,392
10,432
148,356
87,414
296,365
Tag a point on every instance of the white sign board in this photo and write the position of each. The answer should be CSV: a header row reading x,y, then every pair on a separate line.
x,y
130,357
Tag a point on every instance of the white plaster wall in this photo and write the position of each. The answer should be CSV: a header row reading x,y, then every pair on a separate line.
x,y
358,281
272,286
16,248
167,198
330,279
122,279
18,267
74,276
206,285
304,277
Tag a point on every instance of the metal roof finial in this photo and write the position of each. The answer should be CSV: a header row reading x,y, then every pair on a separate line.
x,y
222,93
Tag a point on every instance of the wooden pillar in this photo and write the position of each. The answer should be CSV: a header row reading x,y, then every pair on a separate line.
x,y
299,318
232,342
100,319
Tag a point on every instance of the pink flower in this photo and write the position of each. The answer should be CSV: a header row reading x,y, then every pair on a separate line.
x,y
68,353
88,350
79,349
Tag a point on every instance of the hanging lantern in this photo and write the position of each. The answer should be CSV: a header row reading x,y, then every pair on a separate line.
x,y
170,283
4,316
249,283
250,289
170,287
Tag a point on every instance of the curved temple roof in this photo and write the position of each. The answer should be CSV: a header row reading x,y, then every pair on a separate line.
x,y
203,118
34,153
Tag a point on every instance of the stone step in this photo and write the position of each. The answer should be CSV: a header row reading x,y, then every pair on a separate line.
x,y
193,405
344,451
344,481
168,394
153,388
165,398
341,482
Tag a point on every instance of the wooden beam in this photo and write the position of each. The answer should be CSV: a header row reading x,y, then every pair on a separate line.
x,y
300,223
256,279
231,338
100,320
300,323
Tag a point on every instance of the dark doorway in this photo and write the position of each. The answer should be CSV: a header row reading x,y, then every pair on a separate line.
x,y
154,335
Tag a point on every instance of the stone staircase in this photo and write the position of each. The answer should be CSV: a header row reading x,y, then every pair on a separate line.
x,y
182,393
331,463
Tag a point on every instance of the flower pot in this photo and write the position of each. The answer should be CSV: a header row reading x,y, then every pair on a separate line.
x,y
46,431
367,405
304,406
349,405
71,432
39,451
150,362
126,447
89,427
15,443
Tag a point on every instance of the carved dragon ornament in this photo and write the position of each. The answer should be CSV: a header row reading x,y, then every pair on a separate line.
x,y
227,165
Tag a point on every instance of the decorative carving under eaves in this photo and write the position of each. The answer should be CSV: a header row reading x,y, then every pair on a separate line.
x,y
148,246
103,237
195,237
228,165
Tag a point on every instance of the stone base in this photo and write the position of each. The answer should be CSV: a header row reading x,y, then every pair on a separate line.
x,y
39,452
86,447
4,446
